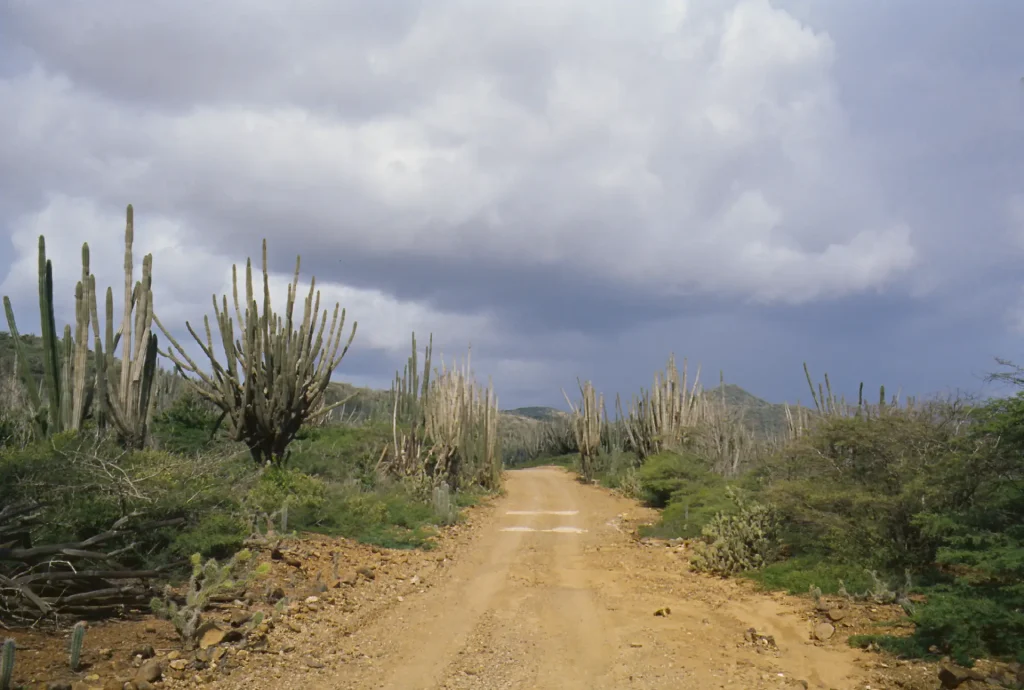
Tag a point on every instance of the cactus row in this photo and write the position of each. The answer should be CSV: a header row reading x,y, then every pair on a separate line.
x,y
124,401
826,404
661,418
449,426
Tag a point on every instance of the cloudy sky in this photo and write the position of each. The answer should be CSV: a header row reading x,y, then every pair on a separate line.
x,y
576,188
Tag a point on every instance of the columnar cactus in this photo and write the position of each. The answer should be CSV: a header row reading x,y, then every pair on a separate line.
x,y
275,375
450,427
124,399
125,388
7,664
65,362
587,420
661,418
75,646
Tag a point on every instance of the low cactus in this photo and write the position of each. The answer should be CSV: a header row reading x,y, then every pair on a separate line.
x,y
747,540
208,580
77,640
7,665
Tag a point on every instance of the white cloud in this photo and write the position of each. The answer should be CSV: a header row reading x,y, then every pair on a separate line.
x,y
671,147
185,281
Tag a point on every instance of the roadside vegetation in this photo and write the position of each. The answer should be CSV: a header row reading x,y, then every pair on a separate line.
x,y
134,461
918,503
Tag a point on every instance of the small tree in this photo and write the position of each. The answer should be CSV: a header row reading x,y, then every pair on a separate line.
x,y
275,374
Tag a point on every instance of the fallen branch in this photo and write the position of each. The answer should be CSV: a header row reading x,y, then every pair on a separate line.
x,y
73,579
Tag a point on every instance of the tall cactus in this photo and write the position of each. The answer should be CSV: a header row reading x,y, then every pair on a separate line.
x,y
65,361
663,417
275,375
125,388
587,422
7,664
449,427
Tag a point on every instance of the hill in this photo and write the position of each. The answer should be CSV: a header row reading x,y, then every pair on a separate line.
x,y
539,413
760,416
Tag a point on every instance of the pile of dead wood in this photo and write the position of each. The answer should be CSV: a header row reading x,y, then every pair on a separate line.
x,y
79,580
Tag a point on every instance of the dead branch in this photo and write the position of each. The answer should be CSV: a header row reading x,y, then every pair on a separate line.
x,y
74,579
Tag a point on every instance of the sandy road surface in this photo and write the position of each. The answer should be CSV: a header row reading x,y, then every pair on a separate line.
x,y
552,593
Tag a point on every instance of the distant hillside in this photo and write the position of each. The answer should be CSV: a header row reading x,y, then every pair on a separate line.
x,y
760,416
33,347
535,412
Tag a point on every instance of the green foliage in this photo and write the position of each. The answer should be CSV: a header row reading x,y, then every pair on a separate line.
x,y
666,474
217,533
799,574
86,486
388,516
975,513
280,489
7,664
966,626
567,460
745,540
853,486
75,645
689,491
936,491
341,453
187,426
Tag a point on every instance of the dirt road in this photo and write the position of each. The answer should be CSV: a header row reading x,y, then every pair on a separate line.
x,y
552,593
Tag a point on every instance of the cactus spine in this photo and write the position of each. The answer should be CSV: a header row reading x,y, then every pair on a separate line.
x,y
7,665
275,374
77,640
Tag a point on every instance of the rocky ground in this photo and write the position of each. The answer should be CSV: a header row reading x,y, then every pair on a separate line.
x,y
545,587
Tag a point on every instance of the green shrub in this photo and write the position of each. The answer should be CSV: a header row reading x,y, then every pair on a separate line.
x,y
960,625
745,540
213,535
340,453
853,487
665,474
85,486
392,517
279,488
690,493
618,470
187,426
798,575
